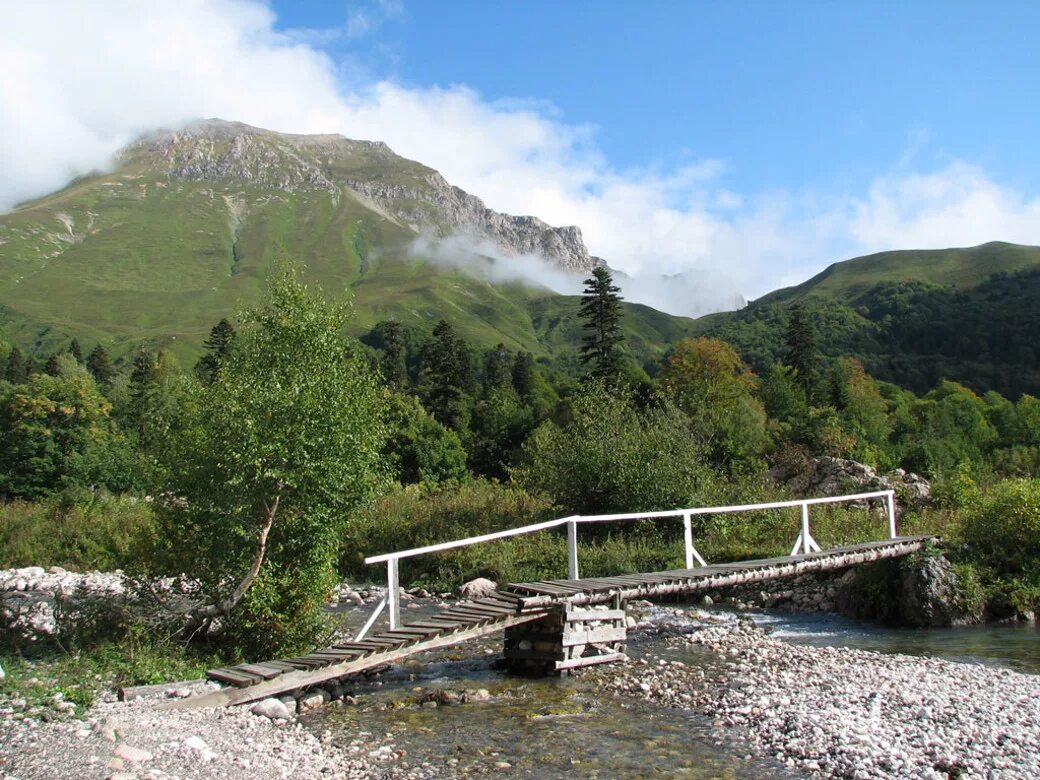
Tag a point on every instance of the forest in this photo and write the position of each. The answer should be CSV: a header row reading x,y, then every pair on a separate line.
x,y
288,451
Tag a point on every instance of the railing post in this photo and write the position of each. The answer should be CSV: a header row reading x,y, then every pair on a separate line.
x,y
805,529
890,499
572,550
393,593
688,538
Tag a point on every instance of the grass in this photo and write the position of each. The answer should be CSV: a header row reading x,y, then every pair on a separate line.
x,y
49,676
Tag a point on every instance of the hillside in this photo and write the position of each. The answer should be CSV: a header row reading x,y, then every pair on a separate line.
x,y
914,318
188,224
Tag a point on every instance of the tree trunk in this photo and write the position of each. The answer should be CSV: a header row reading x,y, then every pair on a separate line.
x,y
197,616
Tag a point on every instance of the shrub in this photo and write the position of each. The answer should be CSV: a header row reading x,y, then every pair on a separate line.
x,y
1003,529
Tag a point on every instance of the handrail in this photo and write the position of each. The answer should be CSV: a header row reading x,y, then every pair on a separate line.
x,y
805,541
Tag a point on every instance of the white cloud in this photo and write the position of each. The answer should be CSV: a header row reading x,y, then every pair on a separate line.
x,y
77,81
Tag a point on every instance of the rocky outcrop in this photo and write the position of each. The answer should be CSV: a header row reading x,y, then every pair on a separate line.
x,y
827,476
417,196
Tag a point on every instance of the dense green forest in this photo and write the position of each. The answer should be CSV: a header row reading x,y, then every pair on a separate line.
x,y
912,333
289,448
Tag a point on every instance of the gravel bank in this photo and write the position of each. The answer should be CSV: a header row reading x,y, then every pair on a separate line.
x,y
137,741
843,713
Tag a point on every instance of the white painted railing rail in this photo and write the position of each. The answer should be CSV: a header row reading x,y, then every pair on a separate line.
x,y
805,542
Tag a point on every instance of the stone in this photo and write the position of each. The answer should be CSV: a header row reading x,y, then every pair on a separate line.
x,y
131,753
271,708
478,588
289,702
313,700
109,728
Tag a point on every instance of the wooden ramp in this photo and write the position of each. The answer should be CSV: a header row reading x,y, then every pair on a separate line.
x,y
512,605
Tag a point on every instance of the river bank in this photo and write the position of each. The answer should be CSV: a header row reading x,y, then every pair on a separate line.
x,y
840,712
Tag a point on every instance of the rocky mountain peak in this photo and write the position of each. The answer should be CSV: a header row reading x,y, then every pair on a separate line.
x,y
411,193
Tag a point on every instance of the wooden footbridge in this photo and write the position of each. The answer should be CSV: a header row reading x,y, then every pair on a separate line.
x,y
558,624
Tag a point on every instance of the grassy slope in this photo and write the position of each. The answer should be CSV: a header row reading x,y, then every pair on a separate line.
x,y
153,261
847,281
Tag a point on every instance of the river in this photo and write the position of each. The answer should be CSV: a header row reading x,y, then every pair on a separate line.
x,y
565,728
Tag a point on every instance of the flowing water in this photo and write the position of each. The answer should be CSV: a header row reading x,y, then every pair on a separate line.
x,y
566,728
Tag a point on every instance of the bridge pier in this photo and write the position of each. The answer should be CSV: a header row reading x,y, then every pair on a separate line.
x,y
567,638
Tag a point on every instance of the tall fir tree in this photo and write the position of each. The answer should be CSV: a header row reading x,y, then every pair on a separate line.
x,y
100,366
17,369
394,365
76,351
498,368
601,312
446,376
53,364
523,375
800,351
218,344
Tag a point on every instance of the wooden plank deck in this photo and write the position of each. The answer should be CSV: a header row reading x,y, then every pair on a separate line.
x,y
514,604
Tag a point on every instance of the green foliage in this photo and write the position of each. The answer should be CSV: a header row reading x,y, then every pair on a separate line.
x,y
800,351
600,313
16,370
447,377
287,437
606,456
708,381
1003,528
501,423
57,432
76,529
100,366
420,449
217,346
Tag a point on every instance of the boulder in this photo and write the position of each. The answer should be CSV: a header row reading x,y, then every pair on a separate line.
x,y
271,708
478,588
827,476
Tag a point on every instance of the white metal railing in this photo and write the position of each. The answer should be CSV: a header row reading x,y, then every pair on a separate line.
x,y
804,542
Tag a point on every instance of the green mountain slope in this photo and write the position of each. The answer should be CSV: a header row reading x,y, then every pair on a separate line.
x,y
965,268
187,227
914,318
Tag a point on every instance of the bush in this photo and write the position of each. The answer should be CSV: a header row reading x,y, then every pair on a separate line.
x,y
608,457
76,529
1003,529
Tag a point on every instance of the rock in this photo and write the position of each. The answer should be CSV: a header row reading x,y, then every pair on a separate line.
x,y
827,476
131,753
478,588
2,673
707,601
313,700
271,708
289,702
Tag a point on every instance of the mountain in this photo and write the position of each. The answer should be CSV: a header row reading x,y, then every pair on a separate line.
x,y
188,223
913,317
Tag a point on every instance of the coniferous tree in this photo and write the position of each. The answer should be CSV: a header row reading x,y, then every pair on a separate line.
x,y
217,345
394,364
601,311
523,375
800,351
17,370
76,351
53,364
498,368
100,366
446,376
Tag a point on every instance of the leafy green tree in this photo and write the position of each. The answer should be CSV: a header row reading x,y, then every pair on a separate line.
x,y
601,312
100,366
57,432
501,423
707,379
16,371
951,428
218,345
800,350
419,449
605,456
863,411
269,459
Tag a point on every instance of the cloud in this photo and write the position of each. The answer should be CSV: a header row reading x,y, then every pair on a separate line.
x,y
78,81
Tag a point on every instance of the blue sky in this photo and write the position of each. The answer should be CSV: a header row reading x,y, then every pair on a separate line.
x,y
788,95
746,145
